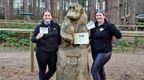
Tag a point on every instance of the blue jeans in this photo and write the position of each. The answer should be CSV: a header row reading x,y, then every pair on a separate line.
x,y
97,70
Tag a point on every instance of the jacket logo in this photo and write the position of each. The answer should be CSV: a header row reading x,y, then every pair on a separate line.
x,y
101,29
54,28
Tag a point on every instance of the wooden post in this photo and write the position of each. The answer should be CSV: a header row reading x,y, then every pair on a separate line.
x,y
31,44
31,54
73,64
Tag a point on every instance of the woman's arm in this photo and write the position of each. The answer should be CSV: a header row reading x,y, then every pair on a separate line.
x,y
115,32
34,39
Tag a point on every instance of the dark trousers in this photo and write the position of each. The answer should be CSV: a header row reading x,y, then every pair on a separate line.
x,y
46,59
97,70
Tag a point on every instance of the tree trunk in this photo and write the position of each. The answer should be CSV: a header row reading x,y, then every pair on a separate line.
x,y
61,11
11,10
82,2
6,9
26,9
65,7
101,4
39,9
91,9
35,9
133,11
112,8
47,5
54,9
74,1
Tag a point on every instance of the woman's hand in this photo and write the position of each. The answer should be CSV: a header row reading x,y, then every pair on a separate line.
x,y
114,38
40,35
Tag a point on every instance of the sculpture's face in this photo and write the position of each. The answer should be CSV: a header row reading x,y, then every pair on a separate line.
x,y
47,16
74,12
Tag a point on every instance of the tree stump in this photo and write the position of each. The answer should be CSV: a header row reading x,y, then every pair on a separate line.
x,y
73,64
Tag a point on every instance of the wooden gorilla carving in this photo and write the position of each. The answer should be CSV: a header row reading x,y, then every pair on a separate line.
x,y
74,22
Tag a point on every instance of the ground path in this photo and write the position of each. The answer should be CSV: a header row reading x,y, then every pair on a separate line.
x,y
15,65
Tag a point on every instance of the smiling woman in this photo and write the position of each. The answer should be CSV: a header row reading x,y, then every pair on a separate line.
x,y
101,44
47,38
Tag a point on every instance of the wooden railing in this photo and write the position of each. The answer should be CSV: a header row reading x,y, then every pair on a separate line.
x,y
124,33
131,27
133,33
31,45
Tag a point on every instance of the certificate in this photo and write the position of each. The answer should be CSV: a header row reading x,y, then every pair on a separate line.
x,y
44,30
81,38
90,25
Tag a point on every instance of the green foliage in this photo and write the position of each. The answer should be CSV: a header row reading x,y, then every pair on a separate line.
x,y
121,44
6,34
15,39
21,25
137,43
24,42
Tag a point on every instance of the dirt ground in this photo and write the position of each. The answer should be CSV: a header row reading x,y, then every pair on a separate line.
x,y
15,65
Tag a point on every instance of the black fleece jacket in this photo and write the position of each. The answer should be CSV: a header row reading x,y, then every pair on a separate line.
x,y
50,41
101,37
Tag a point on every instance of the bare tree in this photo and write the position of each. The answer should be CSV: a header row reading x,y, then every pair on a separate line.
x,y
47,4
101,4
133,11
26,9
6,9
61,11
74,1
39,8
35,9
112,8
1,9
91,9
140,6
53,10
11,9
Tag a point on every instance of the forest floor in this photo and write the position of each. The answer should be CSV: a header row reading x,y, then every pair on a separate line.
x,y
15,65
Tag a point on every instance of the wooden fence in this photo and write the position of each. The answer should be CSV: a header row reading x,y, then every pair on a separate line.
x,y
124,33
31,45
131,27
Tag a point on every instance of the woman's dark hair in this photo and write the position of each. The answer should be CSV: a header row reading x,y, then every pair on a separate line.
x,y
45,11
103,12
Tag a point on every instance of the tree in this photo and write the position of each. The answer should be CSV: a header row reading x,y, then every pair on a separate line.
x,y
35,9
61,11
128,10
101,4
1,9
39,8
112,9
91,9
73,1
11,9
53,10
26,9
83,3
6,9
47,4
133,11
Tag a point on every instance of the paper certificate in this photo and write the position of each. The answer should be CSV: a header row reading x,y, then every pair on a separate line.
x,y
44,30
81,38
90,25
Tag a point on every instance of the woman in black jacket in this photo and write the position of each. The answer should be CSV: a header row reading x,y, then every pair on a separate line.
x,y
101,44
47,38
